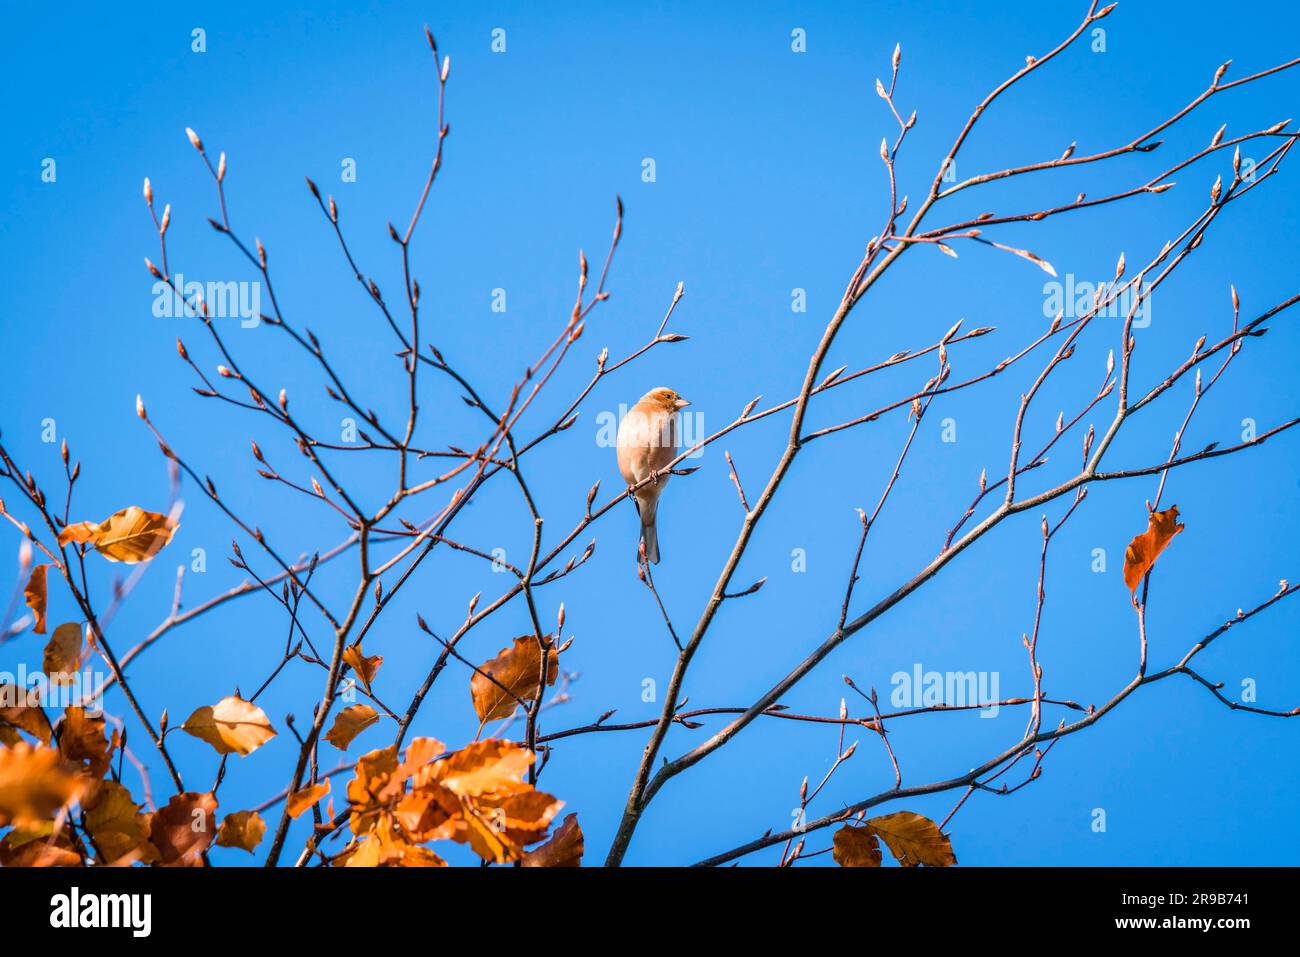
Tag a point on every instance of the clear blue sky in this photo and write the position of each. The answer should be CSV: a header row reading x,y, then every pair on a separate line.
x,y
768,179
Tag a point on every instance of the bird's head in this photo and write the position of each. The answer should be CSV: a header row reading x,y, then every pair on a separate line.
x,y
665,398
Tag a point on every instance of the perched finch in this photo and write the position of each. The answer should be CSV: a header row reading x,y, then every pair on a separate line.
x,y
647,441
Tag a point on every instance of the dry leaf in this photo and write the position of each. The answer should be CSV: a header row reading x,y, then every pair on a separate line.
x,y
34,785
35,595
63,654
484,767
914,839
119,830
413,856
131,535
564,849
243,829
182,830
1143,551
79,533
14,852
304,798
856,847
485,835
19,707
517,668
523,816
84,743
349,723
366,668
231,725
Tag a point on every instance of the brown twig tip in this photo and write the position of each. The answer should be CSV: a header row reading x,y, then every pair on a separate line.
x,y
148,192
194,139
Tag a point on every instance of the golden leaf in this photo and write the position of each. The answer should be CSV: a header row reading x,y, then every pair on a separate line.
x,y
84,743
182,830
564,849
131,535
914,839
20,708
119,830
304,798
366,668
484,767
377,783
419,753
231,725
15,852
513,675
413,856
34,785
365,854
1143,551
243,829
427,813
349,723
63,654
79,533
523,816
35,594
856,847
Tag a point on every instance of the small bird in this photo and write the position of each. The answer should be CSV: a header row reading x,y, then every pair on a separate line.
x,y
647,442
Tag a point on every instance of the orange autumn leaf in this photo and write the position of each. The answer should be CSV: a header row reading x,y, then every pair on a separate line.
x,y
513,675
14,852
34,785
366,668
914,839
484,767
117,827
79,533
243,829
365,854
131,535
304,798
414,856
485,835
523,816
564,849
62,656
349,723
35,595
84,743
493,809
427,814
231,725
856,847
419,754
20,709
183,829
1143,551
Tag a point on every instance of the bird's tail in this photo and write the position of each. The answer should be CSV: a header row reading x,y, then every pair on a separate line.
x,y
649,534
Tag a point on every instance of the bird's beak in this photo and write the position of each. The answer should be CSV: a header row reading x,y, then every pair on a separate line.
x,y
680,404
